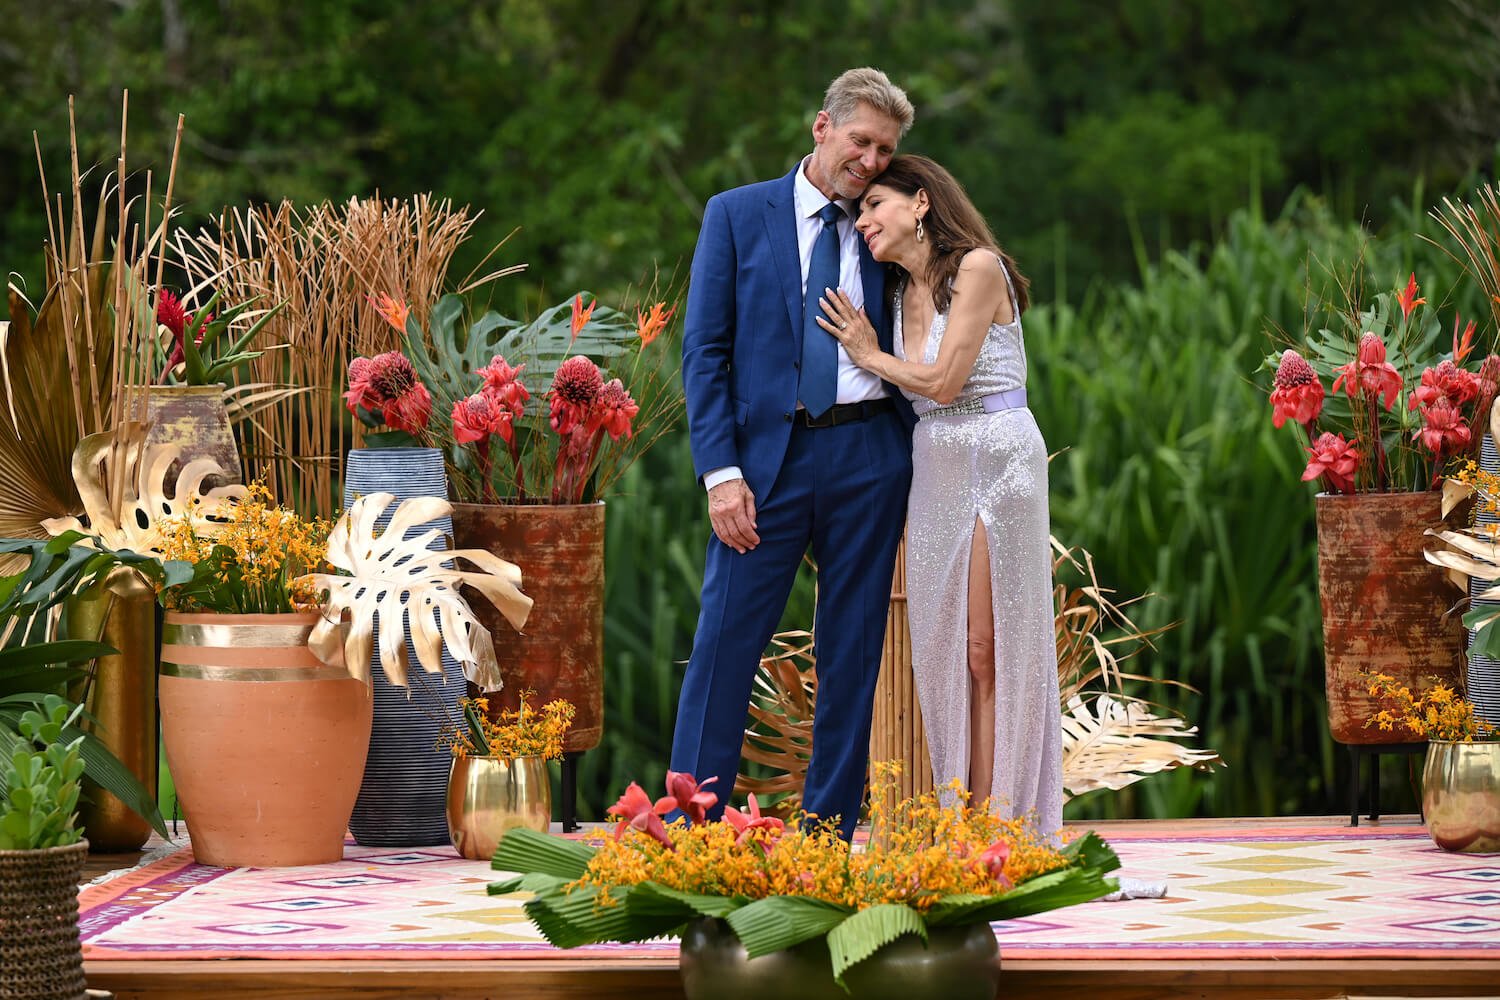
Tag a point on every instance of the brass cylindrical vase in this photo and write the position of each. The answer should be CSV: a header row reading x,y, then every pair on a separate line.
x,y
121,698
489,795
1461,796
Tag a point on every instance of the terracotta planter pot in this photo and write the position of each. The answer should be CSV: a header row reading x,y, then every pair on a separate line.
x,y
266,743
194,418
560,549
39,951
1385,608
1461,796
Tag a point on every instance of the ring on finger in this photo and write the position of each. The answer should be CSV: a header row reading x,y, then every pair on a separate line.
x,y
843,325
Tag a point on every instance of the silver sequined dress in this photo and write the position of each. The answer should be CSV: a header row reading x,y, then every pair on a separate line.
x,y
992,466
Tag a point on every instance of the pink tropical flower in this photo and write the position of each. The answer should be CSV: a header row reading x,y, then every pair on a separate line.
x,y
614,409
504,382
689,795
994,858
745,824
1334,458
479,416
361,394
1444,430
1445,382
638,812
1297,395
1370,373
388,384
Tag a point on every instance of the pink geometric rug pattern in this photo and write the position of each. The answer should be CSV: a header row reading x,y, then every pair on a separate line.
x,y
1278,892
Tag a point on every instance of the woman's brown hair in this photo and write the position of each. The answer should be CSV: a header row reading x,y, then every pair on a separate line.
x,y
952,224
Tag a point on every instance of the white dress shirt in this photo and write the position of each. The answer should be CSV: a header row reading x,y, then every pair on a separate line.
x,y
854,383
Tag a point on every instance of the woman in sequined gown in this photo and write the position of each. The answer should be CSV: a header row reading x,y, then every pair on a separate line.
x,y
978,560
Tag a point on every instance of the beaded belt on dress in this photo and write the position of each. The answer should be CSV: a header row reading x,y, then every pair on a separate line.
x,y
1010,399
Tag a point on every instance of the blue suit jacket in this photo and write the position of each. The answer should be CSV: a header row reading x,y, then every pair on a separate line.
x,y
742,336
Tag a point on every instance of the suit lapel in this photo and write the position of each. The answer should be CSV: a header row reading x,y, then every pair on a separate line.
x,y
781,227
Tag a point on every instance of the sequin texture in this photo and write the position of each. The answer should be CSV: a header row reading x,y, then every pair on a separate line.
x,y
992,466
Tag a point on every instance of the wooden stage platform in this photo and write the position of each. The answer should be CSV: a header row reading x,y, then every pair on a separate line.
x,y
1032,977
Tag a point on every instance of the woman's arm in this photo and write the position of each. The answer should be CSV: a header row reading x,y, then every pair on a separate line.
x,y
979,295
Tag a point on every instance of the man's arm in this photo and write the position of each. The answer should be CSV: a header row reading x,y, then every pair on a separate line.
x,y
708,344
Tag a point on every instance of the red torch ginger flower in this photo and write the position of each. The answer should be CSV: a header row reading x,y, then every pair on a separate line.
x,y
504,383
1408,297
1298,395
689,795
574,389
637,812
1370,372
1445,382
614,409
648,326
479,416
1335,458
388,384
1444,429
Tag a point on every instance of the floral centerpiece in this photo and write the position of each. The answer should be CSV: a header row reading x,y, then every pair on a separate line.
x,y
194,337
535,413
777,885
1370,433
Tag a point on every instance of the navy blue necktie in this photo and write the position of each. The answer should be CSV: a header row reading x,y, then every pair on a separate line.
x,y
818,385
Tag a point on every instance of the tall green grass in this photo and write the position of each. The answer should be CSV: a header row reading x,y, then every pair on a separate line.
x,y
1169,472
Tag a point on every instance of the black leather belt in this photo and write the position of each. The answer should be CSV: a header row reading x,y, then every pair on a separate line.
x,y
847,413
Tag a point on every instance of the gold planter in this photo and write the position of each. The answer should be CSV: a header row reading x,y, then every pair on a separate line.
x,y
1461,796
490,795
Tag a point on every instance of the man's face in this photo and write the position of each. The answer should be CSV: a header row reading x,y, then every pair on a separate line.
x,y
848,156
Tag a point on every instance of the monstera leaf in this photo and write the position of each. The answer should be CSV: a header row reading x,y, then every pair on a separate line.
x,y
405,585
122,460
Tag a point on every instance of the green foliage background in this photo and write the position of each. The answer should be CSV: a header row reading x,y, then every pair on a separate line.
x,y
1162,168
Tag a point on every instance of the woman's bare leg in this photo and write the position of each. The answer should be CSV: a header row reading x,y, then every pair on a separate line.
x,y
981,646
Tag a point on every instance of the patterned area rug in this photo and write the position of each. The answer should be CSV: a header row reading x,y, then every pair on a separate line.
x,y
1274,893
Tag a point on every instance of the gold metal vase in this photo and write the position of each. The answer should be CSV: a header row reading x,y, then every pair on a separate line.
x,y
1461,796
121,698
489,795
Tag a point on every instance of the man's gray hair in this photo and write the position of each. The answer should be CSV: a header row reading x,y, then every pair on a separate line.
x,y
867,85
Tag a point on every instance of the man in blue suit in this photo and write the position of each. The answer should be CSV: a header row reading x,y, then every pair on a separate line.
x,y
796,447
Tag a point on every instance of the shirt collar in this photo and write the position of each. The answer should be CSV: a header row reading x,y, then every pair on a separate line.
x,y
810,200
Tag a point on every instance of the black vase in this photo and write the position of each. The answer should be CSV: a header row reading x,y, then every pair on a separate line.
x,y
402,799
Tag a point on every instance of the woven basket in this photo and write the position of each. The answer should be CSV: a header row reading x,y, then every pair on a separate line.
x,y
39,952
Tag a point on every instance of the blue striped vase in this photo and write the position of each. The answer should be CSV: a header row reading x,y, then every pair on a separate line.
x,y
402,800
1483,677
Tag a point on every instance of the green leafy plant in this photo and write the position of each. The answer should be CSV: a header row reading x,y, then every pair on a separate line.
x,y
191,360
41,781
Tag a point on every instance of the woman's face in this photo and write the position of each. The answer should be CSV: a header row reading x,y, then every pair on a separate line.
x,y
888,222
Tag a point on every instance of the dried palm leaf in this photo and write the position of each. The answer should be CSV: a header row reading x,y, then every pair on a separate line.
x,y
405,584
1111,741
130,520
779,736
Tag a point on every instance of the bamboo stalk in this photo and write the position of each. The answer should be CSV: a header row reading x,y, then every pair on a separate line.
x,y
56,253
88,310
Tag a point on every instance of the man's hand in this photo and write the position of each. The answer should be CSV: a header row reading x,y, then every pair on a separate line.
x,y
731,510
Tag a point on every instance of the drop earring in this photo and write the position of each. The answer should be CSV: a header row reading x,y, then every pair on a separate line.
x,y
921,233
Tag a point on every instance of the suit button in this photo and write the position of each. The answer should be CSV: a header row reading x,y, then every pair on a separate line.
x,y
797,365
788,417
